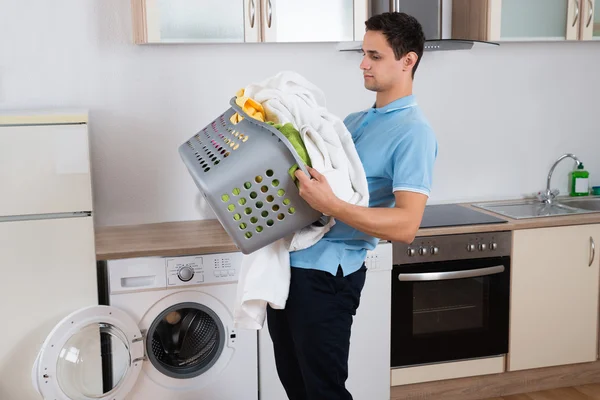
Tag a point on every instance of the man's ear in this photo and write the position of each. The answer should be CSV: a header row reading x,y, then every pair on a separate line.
x,y
409,61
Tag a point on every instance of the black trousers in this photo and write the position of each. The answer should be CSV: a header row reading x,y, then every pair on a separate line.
x,y
311,336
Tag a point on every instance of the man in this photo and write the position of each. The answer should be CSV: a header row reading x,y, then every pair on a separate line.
x,y
397,148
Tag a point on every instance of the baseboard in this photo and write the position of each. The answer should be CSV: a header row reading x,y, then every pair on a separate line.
x,y
503,384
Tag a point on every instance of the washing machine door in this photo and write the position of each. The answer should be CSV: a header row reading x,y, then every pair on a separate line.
x,y
81,347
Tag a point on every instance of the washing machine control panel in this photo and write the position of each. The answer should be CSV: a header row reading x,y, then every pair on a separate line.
x,y
209,268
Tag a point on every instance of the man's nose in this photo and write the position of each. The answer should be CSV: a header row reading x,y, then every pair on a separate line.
x,y
364,65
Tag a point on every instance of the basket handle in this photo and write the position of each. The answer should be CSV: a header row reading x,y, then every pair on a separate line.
x,y
324,219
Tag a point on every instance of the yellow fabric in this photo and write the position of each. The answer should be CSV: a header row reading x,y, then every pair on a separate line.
x,y
250,107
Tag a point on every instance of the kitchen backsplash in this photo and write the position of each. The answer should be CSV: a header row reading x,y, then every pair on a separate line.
x,y
502,114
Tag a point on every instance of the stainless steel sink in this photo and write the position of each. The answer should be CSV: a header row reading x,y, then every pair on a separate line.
x,y
589,204
536,209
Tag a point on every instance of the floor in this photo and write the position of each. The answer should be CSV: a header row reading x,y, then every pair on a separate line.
x,y
585,392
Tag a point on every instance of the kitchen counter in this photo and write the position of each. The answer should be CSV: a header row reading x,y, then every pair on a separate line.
x,y
208,236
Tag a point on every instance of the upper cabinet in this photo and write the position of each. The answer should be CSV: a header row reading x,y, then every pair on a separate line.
x,y
525,20
239,21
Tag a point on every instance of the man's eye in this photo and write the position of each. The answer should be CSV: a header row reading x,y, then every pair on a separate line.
x,y
375,57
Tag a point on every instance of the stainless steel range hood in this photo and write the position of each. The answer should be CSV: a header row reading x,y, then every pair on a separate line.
x,y
435,17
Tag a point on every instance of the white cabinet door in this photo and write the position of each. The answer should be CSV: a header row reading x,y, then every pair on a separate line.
x,y
44,169
590,20
49,271
535,20
197,21
310,20
554,297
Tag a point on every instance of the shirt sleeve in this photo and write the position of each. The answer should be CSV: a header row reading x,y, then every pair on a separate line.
x,y
413,160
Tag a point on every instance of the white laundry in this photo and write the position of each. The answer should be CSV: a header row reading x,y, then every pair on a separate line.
x,y
265,274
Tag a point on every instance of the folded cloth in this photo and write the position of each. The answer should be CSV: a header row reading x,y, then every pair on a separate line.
x,y
288,98
250,107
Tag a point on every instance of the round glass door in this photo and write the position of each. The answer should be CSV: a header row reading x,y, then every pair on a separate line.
x,y
185,340
86,358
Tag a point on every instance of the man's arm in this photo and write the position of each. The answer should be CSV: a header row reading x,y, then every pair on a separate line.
x,y
398,224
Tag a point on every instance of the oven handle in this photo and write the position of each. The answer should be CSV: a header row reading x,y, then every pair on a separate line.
x,y
440,276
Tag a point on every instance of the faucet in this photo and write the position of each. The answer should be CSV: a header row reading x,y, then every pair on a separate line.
x,y
549,195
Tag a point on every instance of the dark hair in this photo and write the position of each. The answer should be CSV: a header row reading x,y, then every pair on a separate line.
x,y
402,31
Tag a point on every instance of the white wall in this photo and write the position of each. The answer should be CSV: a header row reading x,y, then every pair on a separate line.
x,y
502,115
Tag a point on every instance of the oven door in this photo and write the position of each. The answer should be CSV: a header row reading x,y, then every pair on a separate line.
x,y
451,310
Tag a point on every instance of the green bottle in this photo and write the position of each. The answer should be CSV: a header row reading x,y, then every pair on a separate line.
x,y
579,182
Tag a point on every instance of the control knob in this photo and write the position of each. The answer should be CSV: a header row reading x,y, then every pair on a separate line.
x,y
482,246
435,250
422,251
471,247
410,252
185,274
493,246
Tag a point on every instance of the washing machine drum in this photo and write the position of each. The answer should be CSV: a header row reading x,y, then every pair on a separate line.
x,y
186,340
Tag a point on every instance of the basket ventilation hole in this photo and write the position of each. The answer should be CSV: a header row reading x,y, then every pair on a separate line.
x,y
259,204
237,146
269,173
225,197
248,235
276,207
280,217
270,198
280,192
253,195
258,179
226,154
264,189
292,210
242,201
259,229
254,220
270,222
243,226
265,214
231,207
247,185
275,182
286,202
248,211
237,216
236,191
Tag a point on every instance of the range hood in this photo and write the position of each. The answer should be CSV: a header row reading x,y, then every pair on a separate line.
x,y
435,17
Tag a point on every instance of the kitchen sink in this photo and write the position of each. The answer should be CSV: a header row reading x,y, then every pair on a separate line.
x,y
537,209
592,204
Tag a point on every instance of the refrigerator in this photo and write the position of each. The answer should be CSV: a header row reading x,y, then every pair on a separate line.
x,y
47,252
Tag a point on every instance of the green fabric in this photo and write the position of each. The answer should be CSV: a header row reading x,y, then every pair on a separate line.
x,y
291,133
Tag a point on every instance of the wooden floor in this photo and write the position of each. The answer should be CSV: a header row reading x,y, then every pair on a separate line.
x,y
585,392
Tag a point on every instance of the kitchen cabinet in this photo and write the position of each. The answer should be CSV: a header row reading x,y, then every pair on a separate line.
x,y
247,21
525,20
554,297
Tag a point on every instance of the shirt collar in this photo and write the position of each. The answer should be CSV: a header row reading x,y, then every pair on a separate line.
x,y
399,104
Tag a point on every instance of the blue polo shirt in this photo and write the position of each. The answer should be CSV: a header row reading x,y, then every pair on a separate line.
x,y
397,148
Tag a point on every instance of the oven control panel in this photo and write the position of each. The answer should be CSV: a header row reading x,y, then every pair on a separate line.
x,y
453,247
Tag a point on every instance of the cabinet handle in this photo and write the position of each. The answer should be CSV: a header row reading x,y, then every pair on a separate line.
x,y
396,6
592,251
576,12
591,5
252,13
269,13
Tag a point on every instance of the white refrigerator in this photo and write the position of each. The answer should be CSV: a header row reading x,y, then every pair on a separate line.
x,y
47,252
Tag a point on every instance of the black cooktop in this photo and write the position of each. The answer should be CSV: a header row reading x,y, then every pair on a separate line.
x,y
440,215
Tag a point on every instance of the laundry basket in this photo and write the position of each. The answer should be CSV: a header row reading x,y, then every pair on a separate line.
x,y
242,171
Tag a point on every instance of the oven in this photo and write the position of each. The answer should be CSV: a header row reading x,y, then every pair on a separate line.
x,y
450,298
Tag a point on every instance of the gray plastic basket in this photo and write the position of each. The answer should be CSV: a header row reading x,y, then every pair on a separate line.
x,y
242,171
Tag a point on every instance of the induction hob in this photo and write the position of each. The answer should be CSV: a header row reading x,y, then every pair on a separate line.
x,y
442,215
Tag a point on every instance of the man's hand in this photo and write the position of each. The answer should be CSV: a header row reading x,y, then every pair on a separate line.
x,y
317,192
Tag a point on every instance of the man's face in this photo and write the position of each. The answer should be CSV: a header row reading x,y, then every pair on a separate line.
x,y
380,68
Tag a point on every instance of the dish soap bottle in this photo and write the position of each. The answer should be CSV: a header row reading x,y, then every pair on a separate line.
x,y
579,182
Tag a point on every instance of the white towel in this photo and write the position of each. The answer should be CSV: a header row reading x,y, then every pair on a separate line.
x,y
265,274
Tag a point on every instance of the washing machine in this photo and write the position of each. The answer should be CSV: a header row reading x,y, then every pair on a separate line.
x,y
165,333
370,344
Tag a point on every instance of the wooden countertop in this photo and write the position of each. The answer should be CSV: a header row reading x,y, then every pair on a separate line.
x,y
208,236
